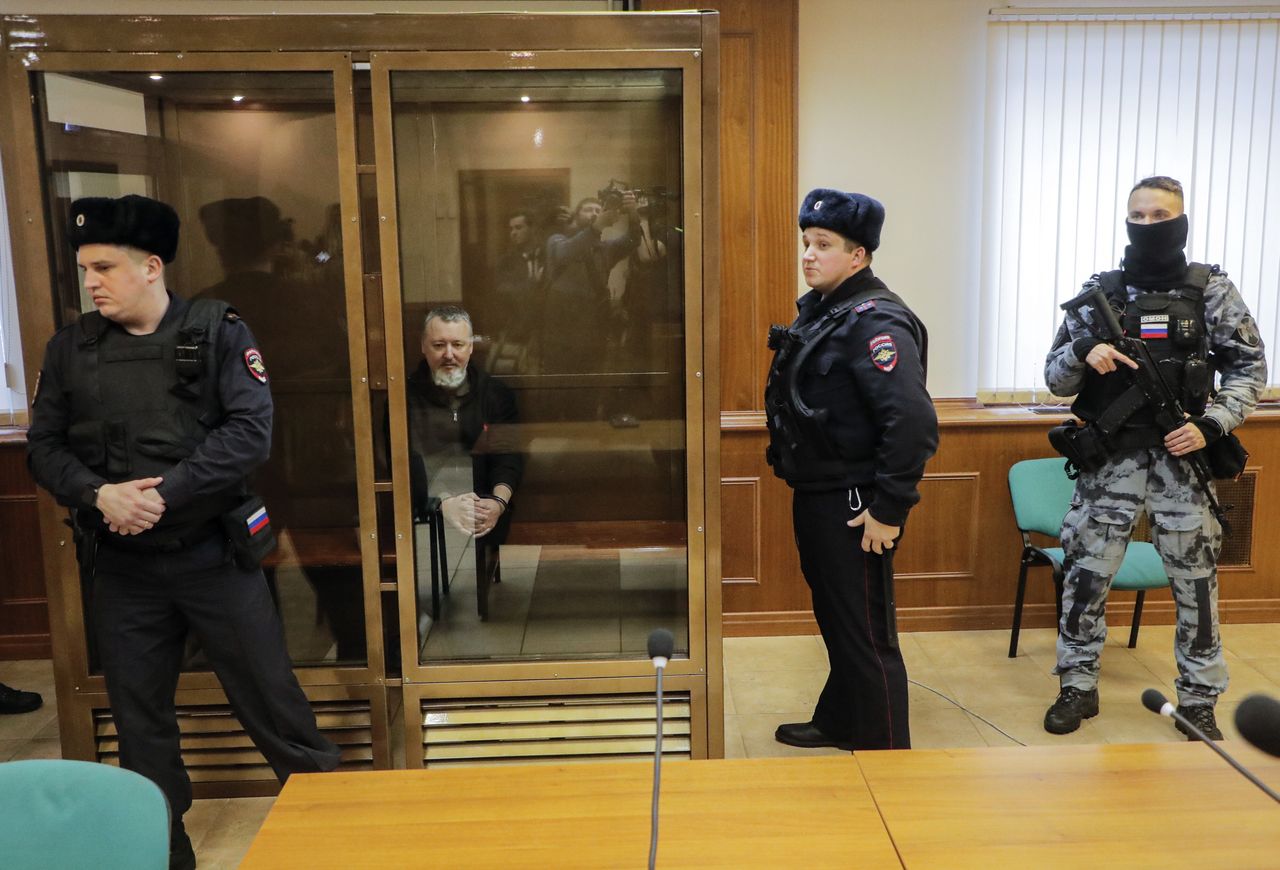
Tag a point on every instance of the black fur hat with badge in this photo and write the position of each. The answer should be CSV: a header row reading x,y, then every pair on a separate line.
x,y
134,221
855,216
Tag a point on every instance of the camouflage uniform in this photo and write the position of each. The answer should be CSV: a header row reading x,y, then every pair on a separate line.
x,y
1107,504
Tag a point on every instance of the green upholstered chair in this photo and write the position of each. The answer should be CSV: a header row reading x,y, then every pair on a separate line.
x,y
1041,494
56,813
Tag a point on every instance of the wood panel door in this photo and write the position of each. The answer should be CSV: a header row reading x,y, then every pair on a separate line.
x,y
759,48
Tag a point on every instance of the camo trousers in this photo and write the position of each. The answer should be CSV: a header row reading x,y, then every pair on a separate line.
x,y
1095,532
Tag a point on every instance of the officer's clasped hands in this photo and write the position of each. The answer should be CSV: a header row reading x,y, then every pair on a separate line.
x,y
131,507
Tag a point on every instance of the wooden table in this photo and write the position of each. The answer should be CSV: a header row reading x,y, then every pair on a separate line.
x,y
1130,806
777,812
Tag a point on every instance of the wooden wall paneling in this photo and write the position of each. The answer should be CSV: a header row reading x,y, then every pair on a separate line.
x,y
759,44
958,565
24,610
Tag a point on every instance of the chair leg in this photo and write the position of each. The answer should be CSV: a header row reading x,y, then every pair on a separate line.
x,y
1017,610
435,570
442,552
482,579
1137,619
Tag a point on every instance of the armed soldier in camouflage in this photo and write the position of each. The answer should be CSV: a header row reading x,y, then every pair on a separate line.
x,y
1193,320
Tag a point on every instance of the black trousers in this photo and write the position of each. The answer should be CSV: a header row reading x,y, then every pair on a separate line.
x,y
143,605
864,700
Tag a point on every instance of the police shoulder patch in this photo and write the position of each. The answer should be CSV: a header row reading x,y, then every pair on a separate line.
x,y
884,352
254,363
865,306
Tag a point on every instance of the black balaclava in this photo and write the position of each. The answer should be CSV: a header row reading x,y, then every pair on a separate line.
x,y
1154,258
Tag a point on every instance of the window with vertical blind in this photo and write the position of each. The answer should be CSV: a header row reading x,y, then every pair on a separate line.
x,y
13,400
1079,107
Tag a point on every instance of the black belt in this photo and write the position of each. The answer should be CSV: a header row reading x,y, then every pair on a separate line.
x,y
166,545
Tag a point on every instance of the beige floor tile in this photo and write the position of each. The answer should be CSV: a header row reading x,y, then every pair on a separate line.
x,y
1025,723
9,747
1000,682
1117,725
948,648
733,745
912,653
1268,666
943,729
757,736
43,748
1247,679
773,653
35,675
1251,641
223,844
729,708
26,726
1037,643
919,694
757,692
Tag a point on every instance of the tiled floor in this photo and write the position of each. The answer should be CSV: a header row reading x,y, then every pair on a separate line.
x,y
776,679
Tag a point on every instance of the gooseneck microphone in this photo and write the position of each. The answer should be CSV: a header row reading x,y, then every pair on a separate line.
x,y
1258,721
1158,703
661,645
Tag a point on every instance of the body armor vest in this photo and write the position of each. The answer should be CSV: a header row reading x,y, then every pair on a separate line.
x,y
800,449
142,403
1171,323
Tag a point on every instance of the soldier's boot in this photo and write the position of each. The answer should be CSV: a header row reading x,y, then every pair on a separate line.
x,y
1201,716
1073,706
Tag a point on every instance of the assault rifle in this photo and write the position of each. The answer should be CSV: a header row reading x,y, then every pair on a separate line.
x,y
1166,410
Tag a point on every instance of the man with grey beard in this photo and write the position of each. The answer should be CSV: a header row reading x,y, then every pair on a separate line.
x,y
462,434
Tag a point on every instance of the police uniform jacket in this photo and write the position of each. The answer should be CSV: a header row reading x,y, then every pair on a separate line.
x,y
869,378
199,477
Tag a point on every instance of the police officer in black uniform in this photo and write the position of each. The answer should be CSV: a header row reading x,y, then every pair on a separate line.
x,y
851,426
148,416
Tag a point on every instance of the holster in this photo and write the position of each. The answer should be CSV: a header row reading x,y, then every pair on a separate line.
x,y
85,539
249,528
1227,457
1083,446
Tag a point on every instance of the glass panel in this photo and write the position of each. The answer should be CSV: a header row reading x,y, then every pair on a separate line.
x,y
547,204
250,162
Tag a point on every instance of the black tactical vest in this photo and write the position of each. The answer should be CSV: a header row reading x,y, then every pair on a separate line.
x,y
1172,325
142,403
800,449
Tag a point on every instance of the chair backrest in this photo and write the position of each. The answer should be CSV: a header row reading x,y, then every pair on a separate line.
x,y
56,813
1041,494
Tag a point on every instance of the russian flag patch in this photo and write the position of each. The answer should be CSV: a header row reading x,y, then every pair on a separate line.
x,y
1155,326
258,520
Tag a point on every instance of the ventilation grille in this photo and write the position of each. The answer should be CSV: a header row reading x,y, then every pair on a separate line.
x,y
1237,547
458,731
215,748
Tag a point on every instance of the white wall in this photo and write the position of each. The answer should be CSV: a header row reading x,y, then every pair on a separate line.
x,y
891,105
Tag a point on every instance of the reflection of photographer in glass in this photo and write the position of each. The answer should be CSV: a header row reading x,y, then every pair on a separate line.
x,y
578,264
645,301
461,429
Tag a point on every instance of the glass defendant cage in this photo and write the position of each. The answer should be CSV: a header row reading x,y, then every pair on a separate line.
x,y
551,175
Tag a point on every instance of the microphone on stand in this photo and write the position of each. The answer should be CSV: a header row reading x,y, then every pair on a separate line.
x,y
661,645
1258,721
1158,703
